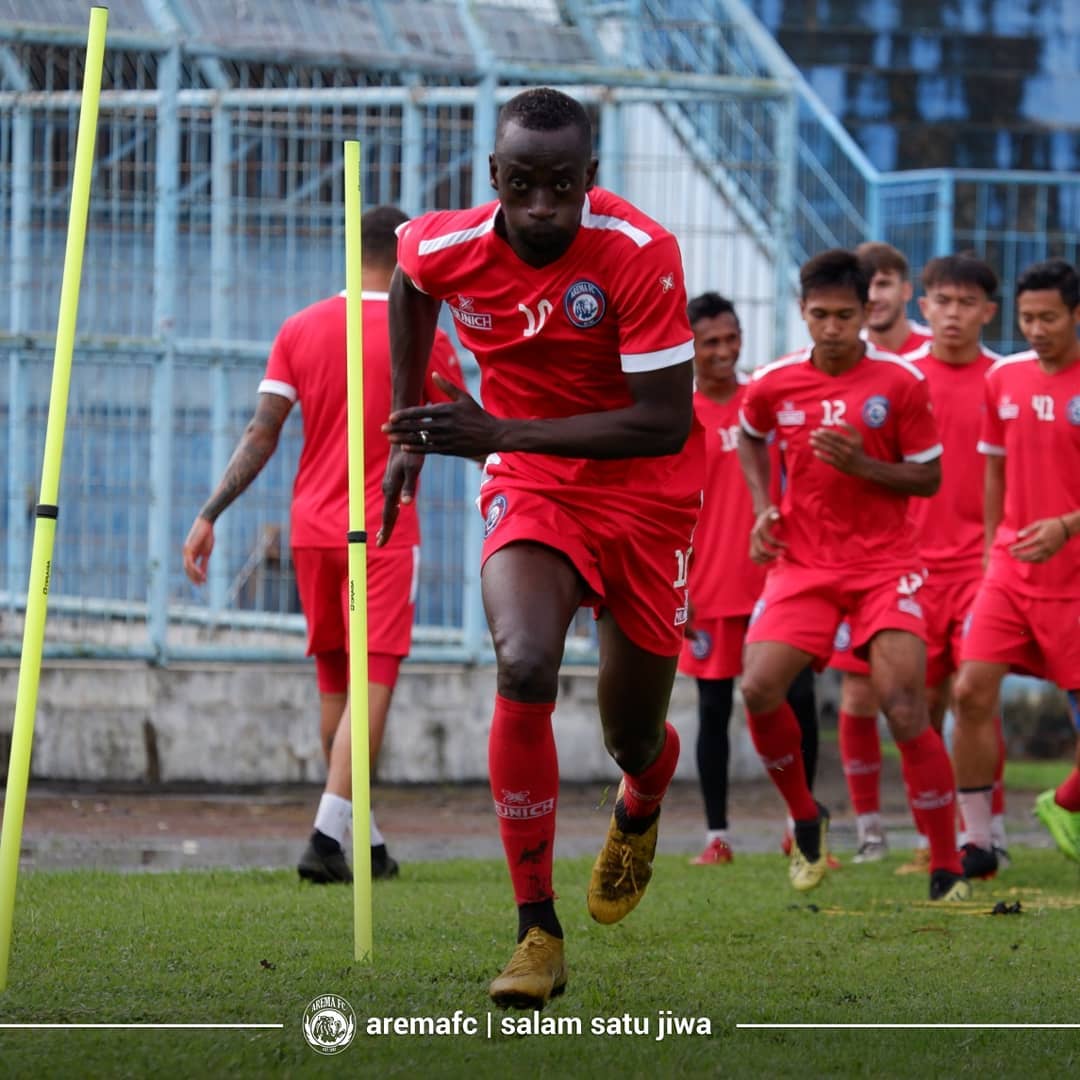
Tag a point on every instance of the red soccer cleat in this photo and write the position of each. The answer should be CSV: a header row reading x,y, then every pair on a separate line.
x,y
717,853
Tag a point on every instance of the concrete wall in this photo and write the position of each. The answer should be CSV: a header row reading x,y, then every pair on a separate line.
x,y
258,724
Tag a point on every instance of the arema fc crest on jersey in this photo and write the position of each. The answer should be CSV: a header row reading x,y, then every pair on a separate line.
x,y
494,514
585,304
701,645
1073,411
876,411
842,641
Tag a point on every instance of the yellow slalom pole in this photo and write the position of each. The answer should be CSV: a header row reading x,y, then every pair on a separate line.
x,y
37,596
358,624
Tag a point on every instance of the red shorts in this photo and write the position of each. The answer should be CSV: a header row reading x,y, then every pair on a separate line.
x,y
1033,636
947,602
804,608
716,652
632,552
322,580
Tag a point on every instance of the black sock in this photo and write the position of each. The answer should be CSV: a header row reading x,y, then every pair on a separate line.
x,y
323,844
542,914
808,837
628,824
714,748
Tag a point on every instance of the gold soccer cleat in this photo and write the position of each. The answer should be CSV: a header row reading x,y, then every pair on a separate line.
x,y
622,871
536,972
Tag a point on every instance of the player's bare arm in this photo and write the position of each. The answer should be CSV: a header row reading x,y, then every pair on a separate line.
x,y
753,453
843,449
254,450
657,423
413,319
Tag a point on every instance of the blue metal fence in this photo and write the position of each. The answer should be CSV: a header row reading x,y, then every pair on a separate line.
x,y
216,212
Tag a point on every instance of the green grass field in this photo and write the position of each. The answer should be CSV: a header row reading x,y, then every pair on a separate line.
x,y
728,945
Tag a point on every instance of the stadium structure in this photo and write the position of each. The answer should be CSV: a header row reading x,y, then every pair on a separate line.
x,y
216,211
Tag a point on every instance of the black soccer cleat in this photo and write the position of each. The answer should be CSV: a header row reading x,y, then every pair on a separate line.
x,y
978,863
383,865
949,887
324,868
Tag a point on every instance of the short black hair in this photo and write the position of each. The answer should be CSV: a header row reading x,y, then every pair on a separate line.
x,y
545,109
710,305
836,268
965,268
379,227
1052,274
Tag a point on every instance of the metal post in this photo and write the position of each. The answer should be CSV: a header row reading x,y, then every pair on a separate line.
x,y
160,541
784,216
612,174
943,218
412,151
222,296
20,481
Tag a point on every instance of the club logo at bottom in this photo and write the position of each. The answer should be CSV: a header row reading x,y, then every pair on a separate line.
x,y
329,1024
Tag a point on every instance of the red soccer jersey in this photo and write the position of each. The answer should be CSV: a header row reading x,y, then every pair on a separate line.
x,y
912,348
307,364
558,341
723,580
949,525
831,520
1033,418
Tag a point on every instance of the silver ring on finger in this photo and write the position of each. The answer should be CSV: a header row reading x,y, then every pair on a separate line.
x,y
425,437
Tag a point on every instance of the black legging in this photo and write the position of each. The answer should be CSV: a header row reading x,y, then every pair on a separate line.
x,y
714,747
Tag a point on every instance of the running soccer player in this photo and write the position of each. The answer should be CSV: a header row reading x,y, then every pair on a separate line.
x,y
573,302
1026,615
859,439
307,364
889,329
724,583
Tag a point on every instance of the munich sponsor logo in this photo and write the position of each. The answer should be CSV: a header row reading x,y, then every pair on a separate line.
x,y
931,800
494,514
778,764
584,304
701,645
910,606
515,805
862,768
842,641
1008,409
1072,410
464,313
788,416
875,411
667,282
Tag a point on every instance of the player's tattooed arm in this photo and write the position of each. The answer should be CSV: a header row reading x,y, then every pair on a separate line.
x,y
254,450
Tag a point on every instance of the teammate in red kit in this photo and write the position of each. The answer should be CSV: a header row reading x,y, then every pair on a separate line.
x,y
1027,613
724,583
573,302
889,329
859,439
308,365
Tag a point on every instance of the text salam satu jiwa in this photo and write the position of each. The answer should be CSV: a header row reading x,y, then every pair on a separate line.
x,y
665,1024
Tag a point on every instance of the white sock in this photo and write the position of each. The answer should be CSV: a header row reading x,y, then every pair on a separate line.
x,y
975,806
997,831
869,825
334,817
716,834
376,836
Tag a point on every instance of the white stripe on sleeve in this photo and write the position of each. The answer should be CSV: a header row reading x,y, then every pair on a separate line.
x,y
990,449
276,386
662,358
926,455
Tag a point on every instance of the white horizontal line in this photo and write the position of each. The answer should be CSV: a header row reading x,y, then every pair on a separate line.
x,y
816,1026
142,1025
